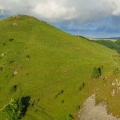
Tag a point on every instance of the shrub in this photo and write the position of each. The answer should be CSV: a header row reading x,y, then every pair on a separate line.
x,y
70,117
11,61
78,107
1,68
28,56
60,93
4,43
11,39
17,108
13,111
96,72
62,101
116,71
13,88
82,86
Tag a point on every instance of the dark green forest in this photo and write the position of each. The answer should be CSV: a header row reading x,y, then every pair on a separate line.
x,y
115,45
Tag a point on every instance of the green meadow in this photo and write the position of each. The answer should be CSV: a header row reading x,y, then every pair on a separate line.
x,y
49,66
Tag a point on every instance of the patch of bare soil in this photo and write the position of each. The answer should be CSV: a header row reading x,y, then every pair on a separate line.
x,y
90,111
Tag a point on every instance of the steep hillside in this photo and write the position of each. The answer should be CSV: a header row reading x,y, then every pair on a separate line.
x,y
49,66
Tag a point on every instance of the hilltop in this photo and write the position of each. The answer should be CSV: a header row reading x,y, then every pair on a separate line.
x,y
49,66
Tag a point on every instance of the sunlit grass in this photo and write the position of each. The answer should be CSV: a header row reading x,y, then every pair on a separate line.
x,y
47,61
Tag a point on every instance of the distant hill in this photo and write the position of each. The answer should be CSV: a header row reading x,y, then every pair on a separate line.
x,y
113,44
115,38
49,66
112,38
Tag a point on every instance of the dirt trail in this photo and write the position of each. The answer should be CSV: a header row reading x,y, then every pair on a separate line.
x,y
92,112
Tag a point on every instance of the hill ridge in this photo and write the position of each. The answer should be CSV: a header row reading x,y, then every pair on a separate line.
x,y
48,65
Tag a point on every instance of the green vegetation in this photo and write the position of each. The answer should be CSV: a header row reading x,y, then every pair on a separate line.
x,y
70,117
14,109
82,86
115,45
116,71
52,67
13,88
96,72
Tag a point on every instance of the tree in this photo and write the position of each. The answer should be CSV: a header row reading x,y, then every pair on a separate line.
x,y
14,110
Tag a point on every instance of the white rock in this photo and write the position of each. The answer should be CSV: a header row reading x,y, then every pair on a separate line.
x,y
113,83
117,81
2,54
15,72
118,84
113,92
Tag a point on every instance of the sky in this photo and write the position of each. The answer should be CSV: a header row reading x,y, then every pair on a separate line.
x,y
89,18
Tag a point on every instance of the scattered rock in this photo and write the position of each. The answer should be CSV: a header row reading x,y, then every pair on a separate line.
x,y
2,54
15,72
113,84
90,111
113,92
14,24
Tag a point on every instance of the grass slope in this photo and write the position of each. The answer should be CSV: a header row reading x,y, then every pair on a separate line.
x,y
43,61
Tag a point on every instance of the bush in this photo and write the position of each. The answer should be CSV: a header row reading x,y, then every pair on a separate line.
x,y
13,88
82,86
1,68
11,39
78,107
60,93
116,71
13,111
70,117
96,72
4,43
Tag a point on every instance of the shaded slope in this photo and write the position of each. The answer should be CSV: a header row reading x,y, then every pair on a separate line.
x,y
43,61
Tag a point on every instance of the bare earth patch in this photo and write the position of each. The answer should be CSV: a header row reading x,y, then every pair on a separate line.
x,y
90,111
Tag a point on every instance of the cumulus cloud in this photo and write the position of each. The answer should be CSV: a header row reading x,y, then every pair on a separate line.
x,y
55,11
116,6
62,10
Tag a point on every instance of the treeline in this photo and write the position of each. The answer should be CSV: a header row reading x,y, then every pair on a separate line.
x,y
115,45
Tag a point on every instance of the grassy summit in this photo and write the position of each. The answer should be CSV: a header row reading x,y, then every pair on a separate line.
x,y
49,66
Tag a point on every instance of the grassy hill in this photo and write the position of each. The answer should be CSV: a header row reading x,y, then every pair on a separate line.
x,y
49,66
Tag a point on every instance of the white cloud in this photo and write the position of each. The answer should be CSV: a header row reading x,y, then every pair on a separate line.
x,y
116,6
62,10
55,11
